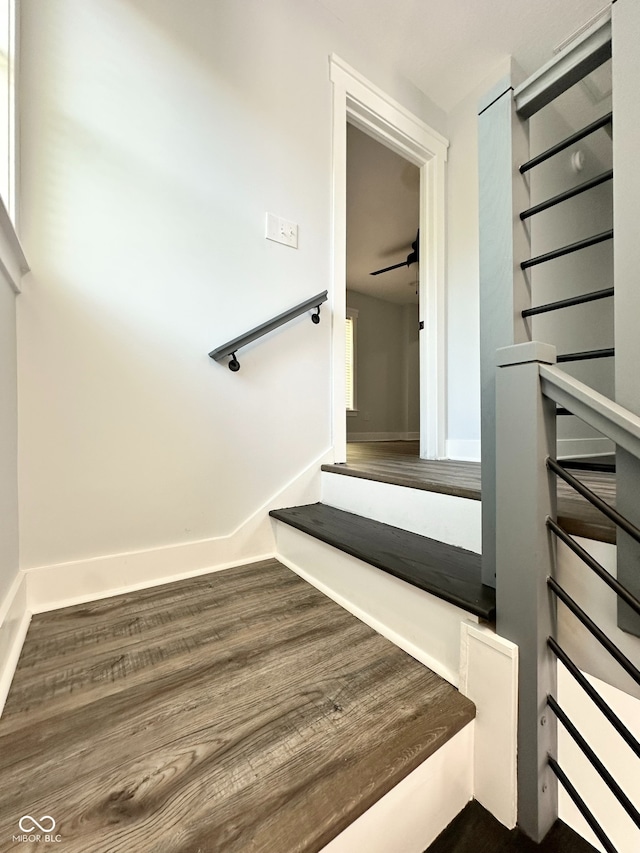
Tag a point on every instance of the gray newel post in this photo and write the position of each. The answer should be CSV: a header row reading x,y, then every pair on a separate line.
x,y
626,260
526,495
503,146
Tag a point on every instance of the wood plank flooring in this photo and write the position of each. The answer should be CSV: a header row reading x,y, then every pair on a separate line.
x,y
241,710
398,462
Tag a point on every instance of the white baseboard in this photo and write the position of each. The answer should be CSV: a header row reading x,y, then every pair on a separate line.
x,y
64,584
447,518
489,677
421,624
464,450
572,447
383,436
14,622
412,815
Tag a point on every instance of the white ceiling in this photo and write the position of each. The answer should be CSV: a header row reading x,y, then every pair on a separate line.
x,y
445,48
383,214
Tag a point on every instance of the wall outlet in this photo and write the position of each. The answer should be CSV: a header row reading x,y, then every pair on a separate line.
x,y
282,231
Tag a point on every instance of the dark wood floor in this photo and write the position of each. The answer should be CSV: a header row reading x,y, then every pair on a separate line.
x,y
476,831
242,710
398,462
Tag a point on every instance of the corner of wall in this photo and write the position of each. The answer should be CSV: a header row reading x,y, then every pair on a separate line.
x,y
14,622
64,584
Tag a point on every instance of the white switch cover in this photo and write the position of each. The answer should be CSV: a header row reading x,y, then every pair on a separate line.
x,y
282,231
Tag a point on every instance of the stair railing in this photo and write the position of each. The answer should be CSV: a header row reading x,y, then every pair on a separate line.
x,y
230,349
529,386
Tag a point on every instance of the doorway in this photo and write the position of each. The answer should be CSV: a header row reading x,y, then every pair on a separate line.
x,y
382,283
359,103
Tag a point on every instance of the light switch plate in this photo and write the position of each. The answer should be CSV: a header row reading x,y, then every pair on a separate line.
x,y
282,231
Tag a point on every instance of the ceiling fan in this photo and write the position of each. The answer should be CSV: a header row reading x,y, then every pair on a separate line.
x,y
412,258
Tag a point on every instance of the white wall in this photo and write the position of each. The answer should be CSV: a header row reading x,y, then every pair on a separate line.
x,y
153,143
463,275
387,369
8,441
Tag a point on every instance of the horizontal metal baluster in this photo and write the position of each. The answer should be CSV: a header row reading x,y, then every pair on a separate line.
x,y
582,807
567,194
568,303
593,629
596,500
595,697
609,352
594,565
606,777
589,465
603,121
567,250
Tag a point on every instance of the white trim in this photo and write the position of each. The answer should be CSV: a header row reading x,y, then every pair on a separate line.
x,y
489,677
464,450
14,622
64,584
383,436
428,799
357,100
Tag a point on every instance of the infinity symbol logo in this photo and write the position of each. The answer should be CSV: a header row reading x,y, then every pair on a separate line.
x,y
28,823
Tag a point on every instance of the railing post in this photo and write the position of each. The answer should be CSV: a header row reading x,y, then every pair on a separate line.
x,y
626,259
503,145
526,495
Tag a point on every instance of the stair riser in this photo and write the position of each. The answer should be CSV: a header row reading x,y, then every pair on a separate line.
x,y
450,519
424,626
414,813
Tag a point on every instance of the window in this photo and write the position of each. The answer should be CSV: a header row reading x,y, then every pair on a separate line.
x,y
350,359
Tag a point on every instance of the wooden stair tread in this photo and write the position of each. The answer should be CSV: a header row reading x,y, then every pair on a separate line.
x,y
245,711
447,571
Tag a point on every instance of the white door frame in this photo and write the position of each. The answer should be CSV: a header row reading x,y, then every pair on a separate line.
x,y
361,103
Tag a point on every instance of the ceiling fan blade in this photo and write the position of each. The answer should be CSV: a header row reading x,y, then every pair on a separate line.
x,y
386,269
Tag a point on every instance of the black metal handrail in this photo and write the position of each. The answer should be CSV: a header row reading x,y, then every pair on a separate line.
x,y
603,121
593,629
595,697
602,771
596,500
568,303
567,194
567,250
582,807
231,347
594,565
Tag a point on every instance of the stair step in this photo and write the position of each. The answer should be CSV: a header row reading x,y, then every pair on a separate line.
x,y
295,719
446,571
475,830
